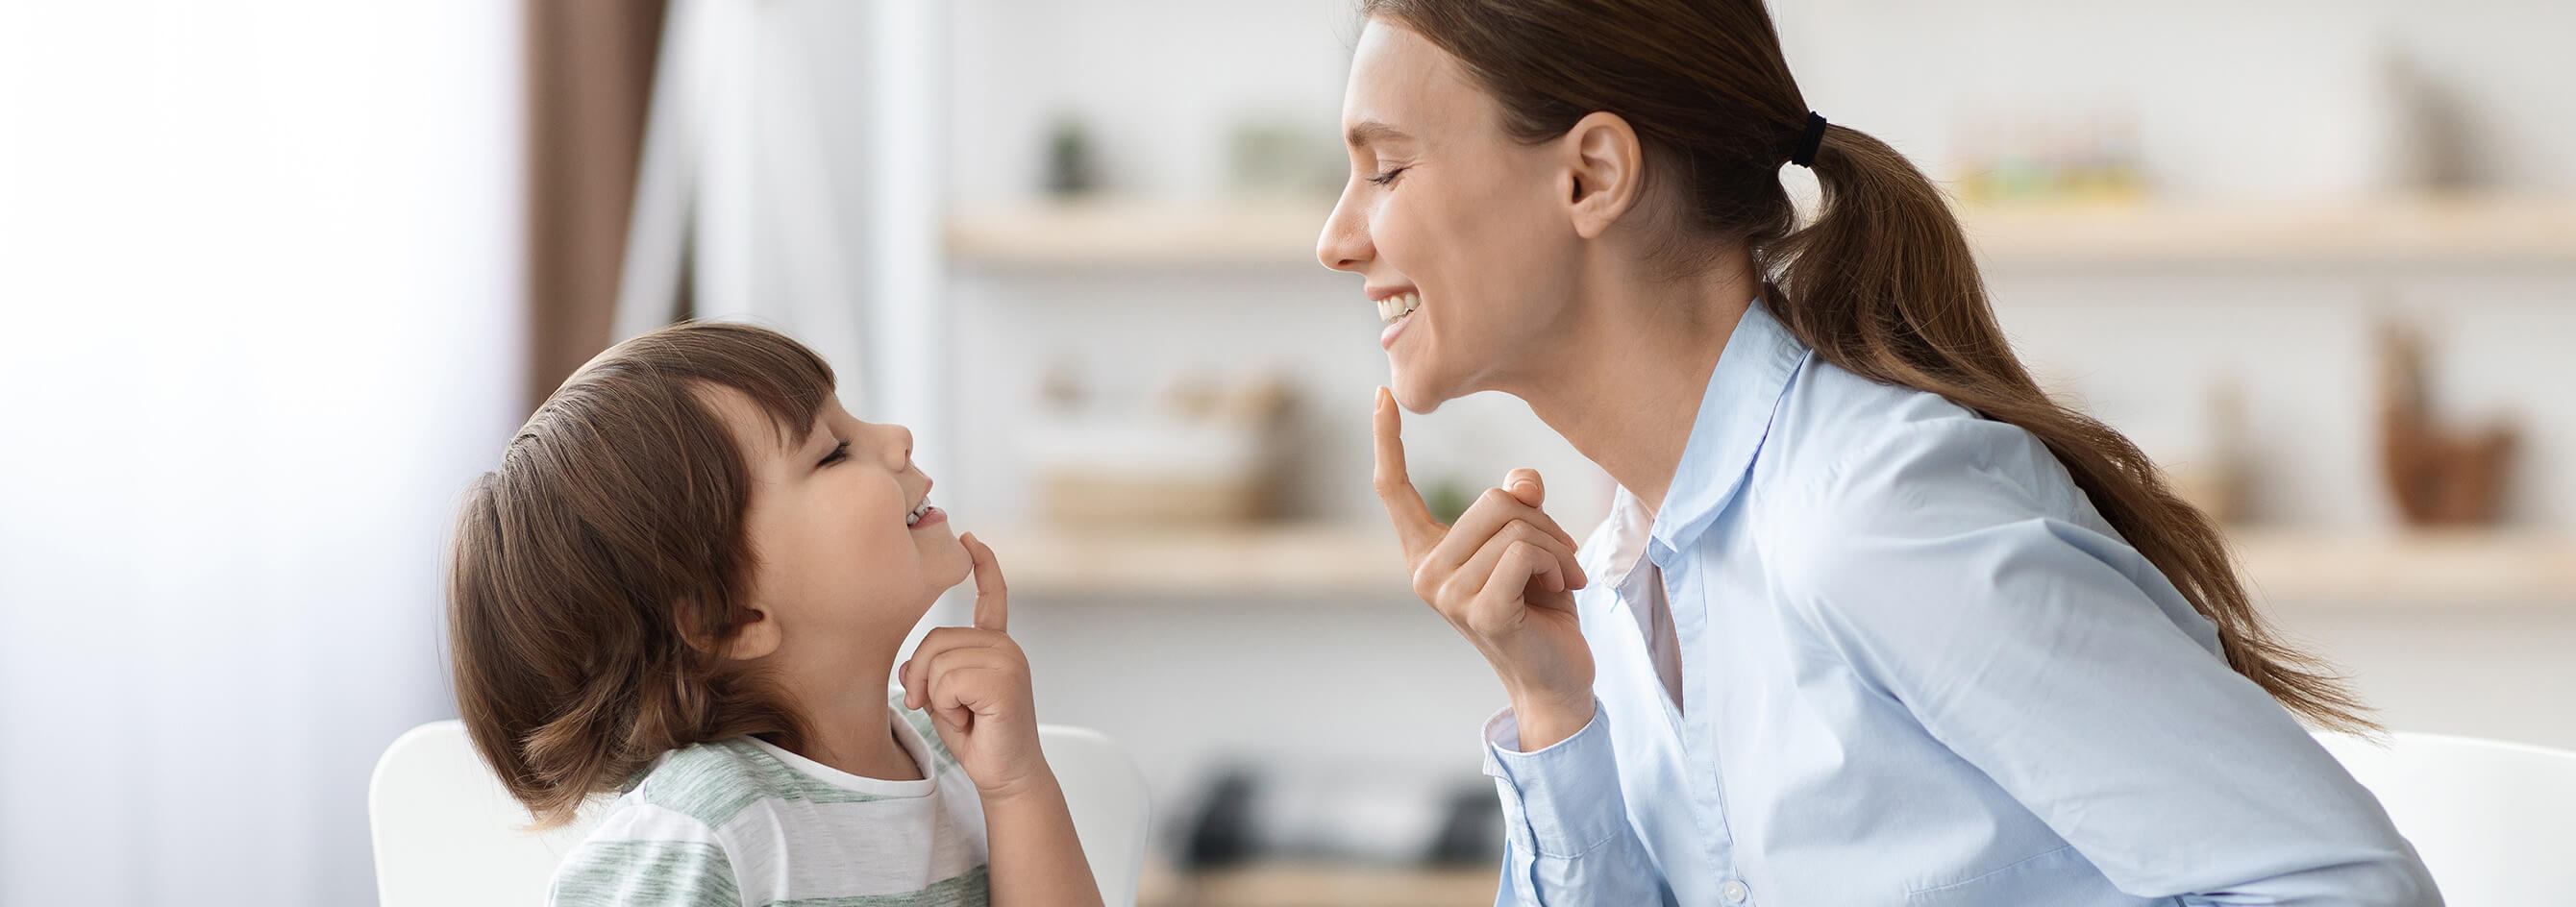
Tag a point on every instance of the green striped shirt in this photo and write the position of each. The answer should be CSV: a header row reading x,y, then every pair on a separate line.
x,y
741,821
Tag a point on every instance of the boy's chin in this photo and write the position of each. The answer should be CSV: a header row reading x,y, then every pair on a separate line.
x,y
962,567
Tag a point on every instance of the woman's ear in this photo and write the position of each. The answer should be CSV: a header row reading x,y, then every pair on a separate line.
x,y
1606,166
755,635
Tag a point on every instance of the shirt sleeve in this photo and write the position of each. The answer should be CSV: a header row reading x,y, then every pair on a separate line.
x,y
646,873
1566,837
2057,660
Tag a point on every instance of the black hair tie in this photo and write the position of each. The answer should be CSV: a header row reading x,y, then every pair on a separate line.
x,y
1811,140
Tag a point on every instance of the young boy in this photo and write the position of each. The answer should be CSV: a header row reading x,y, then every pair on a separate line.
x,y
687,582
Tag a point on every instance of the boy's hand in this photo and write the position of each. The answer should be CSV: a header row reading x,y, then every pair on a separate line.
x,y
974,681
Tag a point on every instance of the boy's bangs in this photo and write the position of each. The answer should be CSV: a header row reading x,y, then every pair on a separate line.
x,y
781,376
787,381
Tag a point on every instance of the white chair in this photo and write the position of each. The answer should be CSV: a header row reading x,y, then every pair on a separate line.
x,y
2495,822
447,834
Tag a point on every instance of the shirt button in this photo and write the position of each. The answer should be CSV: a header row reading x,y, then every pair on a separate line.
x,y
1736,892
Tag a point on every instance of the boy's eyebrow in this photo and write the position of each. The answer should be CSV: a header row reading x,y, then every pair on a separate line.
x,y
811,432
1367,131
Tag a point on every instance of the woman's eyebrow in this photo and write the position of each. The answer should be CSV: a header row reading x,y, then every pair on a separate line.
x,y
1367,131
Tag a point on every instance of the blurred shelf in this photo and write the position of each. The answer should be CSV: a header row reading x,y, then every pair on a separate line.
x,y
2431,229
1136,234
2445,569
1297,560
2422,569
1324,885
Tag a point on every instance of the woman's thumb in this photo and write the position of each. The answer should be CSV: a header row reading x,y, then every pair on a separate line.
x,y
1524,484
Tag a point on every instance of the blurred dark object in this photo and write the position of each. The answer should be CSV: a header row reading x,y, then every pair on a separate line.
x,y
1348,814
1221,834
1473,832
590,81
2439,476
2437,140
1070,168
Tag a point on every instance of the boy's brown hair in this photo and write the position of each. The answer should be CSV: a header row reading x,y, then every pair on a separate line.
x,y
596,576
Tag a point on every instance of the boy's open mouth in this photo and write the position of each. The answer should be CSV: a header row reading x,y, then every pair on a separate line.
x,y
925,515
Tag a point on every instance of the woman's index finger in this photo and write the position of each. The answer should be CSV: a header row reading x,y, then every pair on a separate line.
x,y
1414,526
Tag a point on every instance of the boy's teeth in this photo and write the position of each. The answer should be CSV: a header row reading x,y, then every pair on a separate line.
x,y
917,513
1396,306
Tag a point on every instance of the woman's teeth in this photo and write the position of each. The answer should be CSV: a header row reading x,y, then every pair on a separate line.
x,y
917,513
1393,308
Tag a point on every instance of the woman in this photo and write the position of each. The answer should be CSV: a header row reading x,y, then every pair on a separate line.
x,y
1872,620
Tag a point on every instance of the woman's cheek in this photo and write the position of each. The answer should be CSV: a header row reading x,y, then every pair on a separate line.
x,y
1393,231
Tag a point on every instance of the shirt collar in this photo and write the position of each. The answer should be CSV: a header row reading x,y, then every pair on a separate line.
x,y
1745,388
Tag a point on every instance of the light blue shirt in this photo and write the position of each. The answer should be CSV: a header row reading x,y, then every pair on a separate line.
x,y
1916,668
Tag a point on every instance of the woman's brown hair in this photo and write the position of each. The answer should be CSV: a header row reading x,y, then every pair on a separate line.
x,y
1881,283
596,575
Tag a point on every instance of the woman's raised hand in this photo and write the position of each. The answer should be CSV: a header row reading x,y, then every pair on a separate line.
x,y
1503,577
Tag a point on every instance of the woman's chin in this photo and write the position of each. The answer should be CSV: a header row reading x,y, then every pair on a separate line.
x,y
1417,391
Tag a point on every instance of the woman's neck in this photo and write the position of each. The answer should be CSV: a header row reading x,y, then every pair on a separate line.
x,y
1625,387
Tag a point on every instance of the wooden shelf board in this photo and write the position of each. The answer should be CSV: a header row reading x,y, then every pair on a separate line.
x,y
1323,885
2299,568
1119,233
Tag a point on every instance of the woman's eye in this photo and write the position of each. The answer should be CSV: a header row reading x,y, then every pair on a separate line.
x,y
839,452
1387,177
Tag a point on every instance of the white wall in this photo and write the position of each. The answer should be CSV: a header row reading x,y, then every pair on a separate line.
x,y
259,324
1157,81
2267,98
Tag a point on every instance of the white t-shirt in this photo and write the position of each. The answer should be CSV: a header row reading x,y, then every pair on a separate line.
x,y
742,821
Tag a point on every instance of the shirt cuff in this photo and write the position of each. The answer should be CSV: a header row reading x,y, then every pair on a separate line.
x,y
1562,801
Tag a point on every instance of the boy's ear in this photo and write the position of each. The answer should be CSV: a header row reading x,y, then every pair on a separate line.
x,y
755,635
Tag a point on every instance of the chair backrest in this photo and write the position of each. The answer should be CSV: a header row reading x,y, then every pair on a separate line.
x,y
1111,810
447,834
2495,822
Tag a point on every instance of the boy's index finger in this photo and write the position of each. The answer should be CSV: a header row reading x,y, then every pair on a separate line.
x,y
992,598
1414,527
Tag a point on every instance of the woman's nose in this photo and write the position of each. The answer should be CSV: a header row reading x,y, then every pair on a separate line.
x,y
1345,244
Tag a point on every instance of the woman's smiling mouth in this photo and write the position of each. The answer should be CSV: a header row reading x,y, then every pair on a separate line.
x,y
1397,311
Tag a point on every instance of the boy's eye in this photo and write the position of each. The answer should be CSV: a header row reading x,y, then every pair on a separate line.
x,y
1387,177
839,452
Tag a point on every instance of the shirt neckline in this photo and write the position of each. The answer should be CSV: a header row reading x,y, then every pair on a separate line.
x,y
1735,410
904,733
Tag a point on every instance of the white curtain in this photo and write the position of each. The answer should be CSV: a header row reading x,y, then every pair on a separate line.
x,y
259,324
791,155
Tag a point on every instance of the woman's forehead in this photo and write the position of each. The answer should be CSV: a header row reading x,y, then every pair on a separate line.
x,y
1403,86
